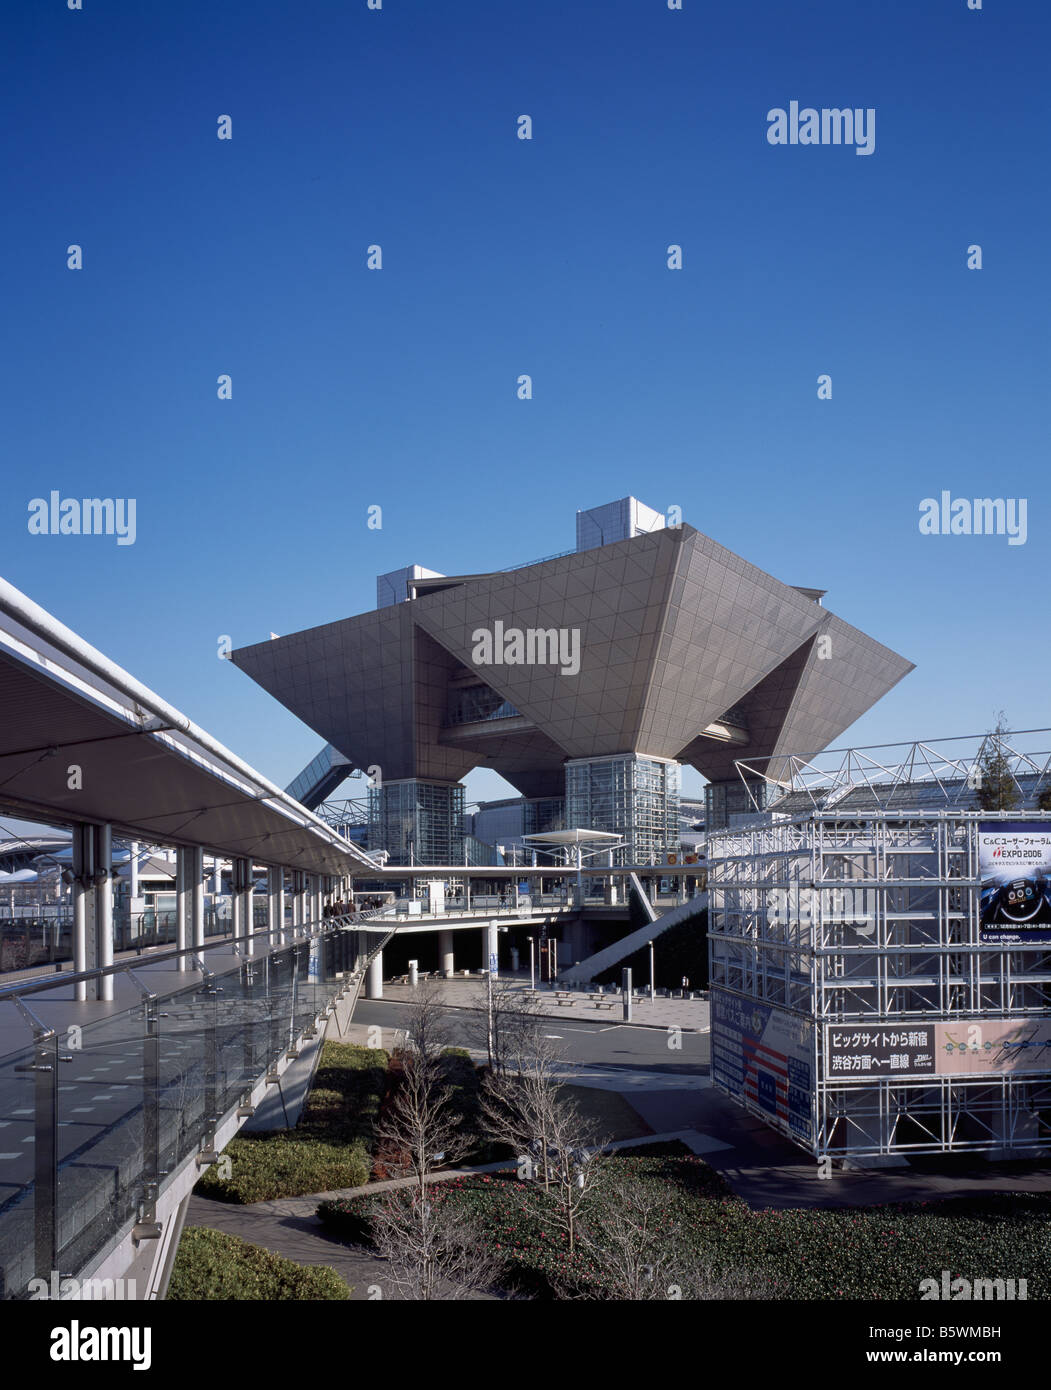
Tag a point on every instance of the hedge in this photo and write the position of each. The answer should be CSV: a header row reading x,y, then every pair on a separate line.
x,y
331,1146
214,1265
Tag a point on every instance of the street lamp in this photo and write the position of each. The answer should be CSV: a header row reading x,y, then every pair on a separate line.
x,y
532,962
652,993
489,1016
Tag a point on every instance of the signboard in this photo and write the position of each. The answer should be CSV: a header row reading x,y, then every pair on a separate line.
x,y
764,1056
856,1050
1014,866
961,1047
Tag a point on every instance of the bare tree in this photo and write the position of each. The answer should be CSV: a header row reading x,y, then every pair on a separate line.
x,y
526,1106
509,1023
644,1256
423,1124
630,1239
432,1250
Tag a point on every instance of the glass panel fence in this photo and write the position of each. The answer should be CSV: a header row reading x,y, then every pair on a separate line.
x,y
97,1113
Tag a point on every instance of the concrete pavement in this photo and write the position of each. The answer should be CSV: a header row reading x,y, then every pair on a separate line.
x,y
690,1015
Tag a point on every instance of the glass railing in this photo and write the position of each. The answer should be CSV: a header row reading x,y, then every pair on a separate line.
x,y
97,1113
27,943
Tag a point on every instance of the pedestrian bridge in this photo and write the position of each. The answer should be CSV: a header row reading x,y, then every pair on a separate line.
x,y
110,1110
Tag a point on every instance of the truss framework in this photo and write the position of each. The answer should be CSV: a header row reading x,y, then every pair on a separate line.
x,y
877,777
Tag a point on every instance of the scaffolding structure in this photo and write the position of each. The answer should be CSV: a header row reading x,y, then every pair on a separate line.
x,y
855,1005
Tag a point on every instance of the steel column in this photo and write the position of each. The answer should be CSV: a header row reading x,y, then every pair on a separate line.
x,y
104,907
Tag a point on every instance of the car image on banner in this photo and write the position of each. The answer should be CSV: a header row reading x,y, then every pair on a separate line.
x,y
1014,865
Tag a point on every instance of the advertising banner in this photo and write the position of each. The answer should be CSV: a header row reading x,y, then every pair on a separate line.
x,y
764,1055
1014,865
962,1047
856,1050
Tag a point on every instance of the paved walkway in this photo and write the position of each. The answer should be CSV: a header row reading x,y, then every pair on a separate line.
x,y
691,1015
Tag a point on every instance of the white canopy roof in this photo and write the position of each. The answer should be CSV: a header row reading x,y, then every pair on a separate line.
x,y
572,837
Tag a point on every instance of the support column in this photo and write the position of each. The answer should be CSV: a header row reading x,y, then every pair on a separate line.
x,y
104,906
183,905
374,978
249,898
196,871
275,917
297,901
82,890
446,955
241,889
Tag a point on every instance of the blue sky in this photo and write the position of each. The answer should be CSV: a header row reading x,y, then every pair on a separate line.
x,y
351,388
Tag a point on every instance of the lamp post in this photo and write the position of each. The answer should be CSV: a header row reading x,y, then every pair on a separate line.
x,y
532,962
489,1015
652,993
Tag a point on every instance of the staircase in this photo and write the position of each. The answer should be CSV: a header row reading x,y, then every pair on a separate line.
x,y
627,946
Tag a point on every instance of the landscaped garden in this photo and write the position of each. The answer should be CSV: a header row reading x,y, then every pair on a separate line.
x,y
704,1241
573,1219
331,1147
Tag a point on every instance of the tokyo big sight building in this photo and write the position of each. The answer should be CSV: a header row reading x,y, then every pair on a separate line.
x,y
681,653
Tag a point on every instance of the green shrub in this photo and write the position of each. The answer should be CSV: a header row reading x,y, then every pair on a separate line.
x,y
846,1253
214,1265
330,1147
281,1164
